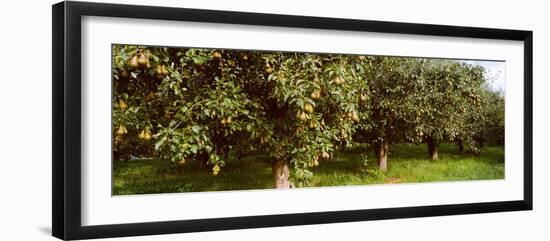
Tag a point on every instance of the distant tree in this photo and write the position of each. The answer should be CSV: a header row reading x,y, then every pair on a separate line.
x,y
491,126
391,82
450,103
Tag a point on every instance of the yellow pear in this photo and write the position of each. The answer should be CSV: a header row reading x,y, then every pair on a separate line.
x,y
164,70
217,55
338,80
363,97
308,108
118,139
142,61
121,130
147,136
122,105
303,116
134,62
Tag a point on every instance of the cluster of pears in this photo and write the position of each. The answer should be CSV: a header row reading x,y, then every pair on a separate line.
x,y
145,134
161,71
315,161
302,115
215,170
353,116
226,121
139,61
316,94
338,81
120,132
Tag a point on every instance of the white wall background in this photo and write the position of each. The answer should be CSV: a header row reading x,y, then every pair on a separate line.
x,y
25,119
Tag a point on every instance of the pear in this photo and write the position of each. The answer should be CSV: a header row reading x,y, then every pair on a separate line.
x,y
338,80
158,70
268,70
303,116
325,155
217,55
124,74
142,135
122,105
216,168
118,139
121,130
308,108
363,97
164,70
315,95
134,62
228,120
355,117
147,136
142,61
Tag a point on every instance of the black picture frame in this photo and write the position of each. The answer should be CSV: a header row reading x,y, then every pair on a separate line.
x,y
66,128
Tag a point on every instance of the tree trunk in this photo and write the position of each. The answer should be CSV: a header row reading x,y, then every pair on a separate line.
x,y
280,174
432,148
381,153
460,145
203,160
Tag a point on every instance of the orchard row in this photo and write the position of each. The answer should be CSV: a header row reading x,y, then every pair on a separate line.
x,y
213,105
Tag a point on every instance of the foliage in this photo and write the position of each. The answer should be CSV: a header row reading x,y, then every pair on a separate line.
x,y
209,105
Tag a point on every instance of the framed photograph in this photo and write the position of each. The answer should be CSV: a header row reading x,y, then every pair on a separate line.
x,y
170,120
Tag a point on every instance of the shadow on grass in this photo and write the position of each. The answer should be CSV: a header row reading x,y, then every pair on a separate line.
x,y
407,163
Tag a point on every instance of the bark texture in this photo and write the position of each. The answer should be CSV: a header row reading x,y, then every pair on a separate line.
x,y
280,174
460,145
432,148
381,152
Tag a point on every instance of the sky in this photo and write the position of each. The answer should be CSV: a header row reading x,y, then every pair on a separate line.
x,y
495,73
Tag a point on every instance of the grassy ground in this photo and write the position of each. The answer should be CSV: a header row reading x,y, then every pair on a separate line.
x,y
407,164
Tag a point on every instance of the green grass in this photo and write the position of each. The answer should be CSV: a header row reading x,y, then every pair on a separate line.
x,y
407,164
